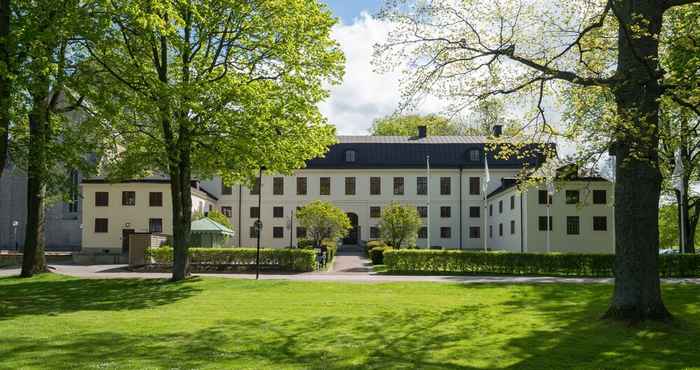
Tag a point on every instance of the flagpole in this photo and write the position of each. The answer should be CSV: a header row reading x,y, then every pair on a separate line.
x,y
484,189
427,164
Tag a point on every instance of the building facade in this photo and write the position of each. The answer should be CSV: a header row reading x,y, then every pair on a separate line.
x,y
443,177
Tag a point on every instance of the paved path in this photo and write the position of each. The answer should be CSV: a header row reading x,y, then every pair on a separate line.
x,y
119,272
351,260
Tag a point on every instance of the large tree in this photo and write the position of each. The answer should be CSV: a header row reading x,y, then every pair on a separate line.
x,y
473,50
407,125
399,225
47,140
324,222
213,87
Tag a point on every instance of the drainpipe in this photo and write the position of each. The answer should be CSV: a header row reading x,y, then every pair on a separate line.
x,y
522,245
240,207
460,207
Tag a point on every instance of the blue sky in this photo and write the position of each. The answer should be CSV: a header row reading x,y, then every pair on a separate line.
x,y
348,10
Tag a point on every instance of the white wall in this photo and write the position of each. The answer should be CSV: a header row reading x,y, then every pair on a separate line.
x,y
361,202
508,241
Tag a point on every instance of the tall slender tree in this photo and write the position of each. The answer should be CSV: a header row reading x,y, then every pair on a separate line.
x,y
473,50
6,76
206,87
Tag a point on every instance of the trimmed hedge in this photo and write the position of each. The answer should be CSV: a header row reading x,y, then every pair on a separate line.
x,y
561,264
280,259
332,248
374,244
376,254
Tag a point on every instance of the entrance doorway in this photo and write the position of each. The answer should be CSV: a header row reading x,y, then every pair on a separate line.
x,y
354,233
125,239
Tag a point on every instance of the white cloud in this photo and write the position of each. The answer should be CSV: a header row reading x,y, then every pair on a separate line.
x,y
364,95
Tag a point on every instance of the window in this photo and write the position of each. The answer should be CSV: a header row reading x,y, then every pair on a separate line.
x,y
278,212
254,212
225,190
278,186
101,225
474,212
349,186
474,232
278,232
375,212
445,186
572,197
253,232
350,156
128,198
423,233
600,223
446,232
491,231
445,212
422,211
421,185
301,232
375,185
600,197
398,185
155,225
474,185
155,199
474,155
542,197
255,190
500,229
490,209
227,211
325,185
101,199
572,225
512,227
74,180
542,223
374,232
301,185
500,206
512,202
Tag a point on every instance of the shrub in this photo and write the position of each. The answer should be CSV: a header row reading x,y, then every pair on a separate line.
x,y
569,264
376,254
332,247
298,260
373,244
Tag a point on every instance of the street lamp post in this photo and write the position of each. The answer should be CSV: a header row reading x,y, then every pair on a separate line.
x,y
15,224
258,225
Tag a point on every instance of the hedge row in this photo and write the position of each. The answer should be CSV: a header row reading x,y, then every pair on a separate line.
x,y
564,264
280,259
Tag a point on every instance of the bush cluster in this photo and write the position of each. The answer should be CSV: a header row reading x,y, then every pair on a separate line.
x,y
280,259
560,264
332,247
373,244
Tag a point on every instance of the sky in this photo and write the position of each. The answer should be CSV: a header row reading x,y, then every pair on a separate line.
x,y
364,95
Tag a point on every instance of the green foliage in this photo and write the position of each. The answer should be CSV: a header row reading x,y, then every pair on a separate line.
x,y
331,247
376,254
407,125
569,264
215,216
323,222
399,225
373,244
282,259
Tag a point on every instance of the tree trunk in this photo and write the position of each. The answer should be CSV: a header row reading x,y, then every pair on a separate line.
x,y
692,225
181,188
637,294
5,81
33,258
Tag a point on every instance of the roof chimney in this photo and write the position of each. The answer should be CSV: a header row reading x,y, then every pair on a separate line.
x,y
422,131
497,130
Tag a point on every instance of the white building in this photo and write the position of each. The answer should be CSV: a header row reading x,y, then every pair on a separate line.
x,y
362,175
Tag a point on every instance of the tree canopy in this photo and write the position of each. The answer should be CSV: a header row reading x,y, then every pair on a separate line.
x,y
407,125
399,225
323,222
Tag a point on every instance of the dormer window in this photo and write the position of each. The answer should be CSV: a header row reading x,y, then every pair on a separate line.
x,y
350,156
474,155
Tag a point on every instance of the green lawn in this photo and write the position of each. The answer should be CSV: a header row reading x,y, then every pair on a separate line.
x,y
59,322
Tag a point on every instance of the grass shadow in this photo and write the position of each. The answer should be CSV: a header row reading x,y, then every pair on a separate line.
x,y
51,294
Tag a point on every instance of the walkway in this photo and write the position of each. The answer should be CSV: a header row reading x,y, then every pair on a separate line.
x,y
351,260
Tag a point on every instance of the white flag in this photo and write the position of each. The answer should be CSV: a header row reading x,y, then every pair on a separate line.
x,y
487,175
678,171
550,186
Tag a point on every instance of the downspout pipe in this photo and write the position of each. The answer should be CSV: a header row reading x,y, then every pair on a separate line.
x,y
240,212
461,226
522,228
